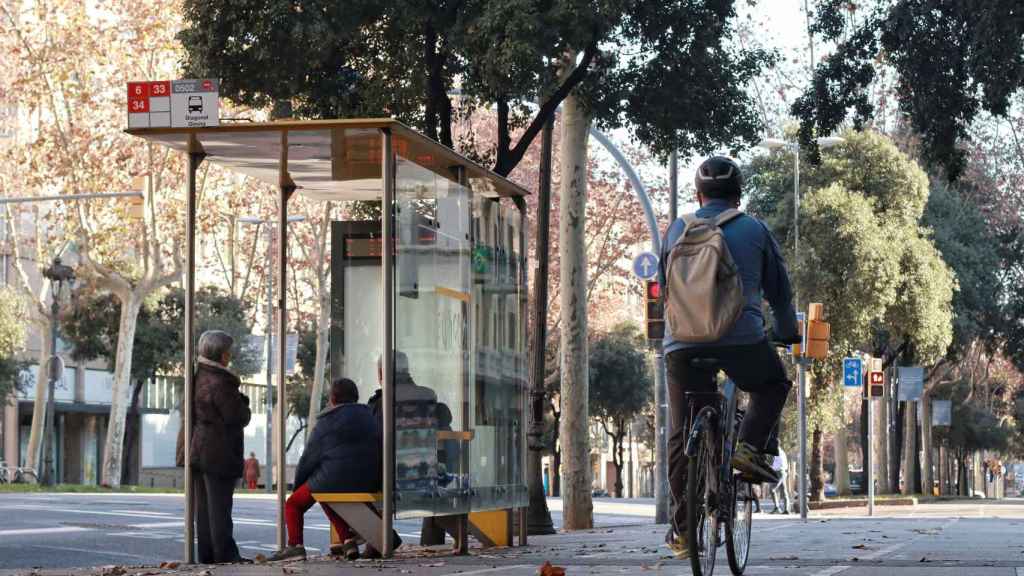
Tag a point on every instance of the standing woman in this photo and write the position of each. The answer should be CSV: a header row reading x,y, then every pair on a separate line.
x,y
221,414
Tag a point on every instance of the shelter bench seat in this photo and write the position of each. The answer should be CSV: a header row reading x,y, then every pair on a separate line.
x,y
359,510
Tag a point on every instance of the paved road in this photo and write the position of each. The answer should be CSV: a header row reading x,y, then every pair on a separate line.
x,y
973,538
71,530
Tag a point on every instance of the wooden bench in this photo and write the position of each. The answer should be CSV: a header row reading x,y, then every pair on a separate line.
x,y
359,510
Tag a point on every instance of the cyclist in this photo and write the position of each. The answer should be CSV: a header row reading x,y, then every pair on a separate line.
x,y
744,353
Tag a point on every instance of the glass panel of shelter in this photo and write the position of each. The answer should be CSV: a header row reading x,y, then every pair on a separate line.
x,y
458,290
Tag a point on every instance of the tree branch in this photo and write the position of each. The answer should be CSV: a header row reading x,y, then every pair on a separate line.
x,y
504,165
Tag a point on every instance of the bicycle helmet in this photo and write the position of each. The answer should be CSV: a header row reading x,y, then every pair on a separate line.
x,y
719,177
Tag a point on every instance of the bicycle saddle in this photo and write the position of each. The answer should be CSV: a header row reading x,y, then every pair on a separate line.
x,y
709,364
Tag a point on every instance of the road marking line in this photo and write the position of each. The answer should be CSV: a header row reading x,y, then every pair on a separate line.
x,y
92,551
176,524
493,570
144,512
89,512
829,571
33,531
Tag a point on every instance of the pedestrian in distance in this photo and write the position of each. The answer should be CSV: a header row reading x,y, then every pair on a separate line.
x,y
221,413
717,267
780,491
252,471
343,454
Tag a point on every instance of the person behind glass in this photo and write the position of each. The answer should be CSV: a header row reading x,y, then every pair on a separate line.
x,y
221,413
341,455
252,471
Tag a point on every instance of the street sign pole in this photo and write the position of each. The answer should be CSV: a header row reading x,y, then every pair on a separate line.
x,y
869,459
802,370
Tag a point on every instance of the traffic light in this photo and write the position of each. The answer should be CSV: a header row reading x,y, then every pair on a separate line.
x,y
654,311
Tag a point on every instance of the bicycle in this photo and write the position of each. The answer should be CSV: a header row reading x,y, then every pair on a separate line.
x,y
25,475
716,495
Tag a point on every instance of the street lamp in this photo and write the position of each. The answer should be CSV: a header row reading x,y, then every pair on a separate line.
x,y
794,147
269,487
58,274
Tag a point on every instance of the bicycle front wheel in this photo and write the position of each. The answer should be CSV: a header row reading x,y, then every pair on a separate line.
x,y
701,515
738,525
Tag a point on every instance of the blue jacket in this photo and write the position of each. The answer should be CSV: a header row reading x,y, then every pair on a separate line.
x,y
762,269
344,452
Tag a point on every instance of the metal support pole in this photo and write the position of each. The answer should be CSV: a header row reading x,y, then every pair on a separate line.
x,y
869,460
195,157
661,421
673,187
49,474
287,188
662,508
802,403
521,514
387,344
269,399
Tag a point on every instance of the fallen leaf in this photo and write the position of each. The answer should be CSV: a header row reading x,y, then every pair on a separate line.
x,y
260,558
169,565
861,546
548,570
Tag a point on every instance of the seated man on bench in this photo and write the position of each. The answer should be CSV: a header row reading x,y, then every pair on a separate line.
x,y
342,455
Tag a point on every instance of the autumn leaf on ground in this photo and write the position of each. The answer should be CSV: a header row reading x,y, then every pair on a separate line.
x,y
548,570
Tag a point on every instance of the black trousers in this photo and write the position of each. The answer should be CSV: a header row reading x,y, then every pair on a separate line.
x,y
756,369
214,529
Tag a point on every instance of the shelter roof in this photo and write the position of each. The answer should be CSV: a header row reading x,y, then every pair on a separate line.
x,y
326,159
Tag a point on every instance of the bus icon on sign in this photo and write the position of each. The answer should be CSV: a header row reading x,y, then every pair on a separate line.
x,y
195,104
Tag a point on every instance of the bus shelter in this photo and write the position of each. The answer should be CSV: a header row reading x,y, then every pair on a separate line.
x,y
428,298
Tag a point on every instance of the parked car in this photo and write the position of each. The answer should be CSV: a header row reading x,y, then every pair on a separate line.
x,y
830,490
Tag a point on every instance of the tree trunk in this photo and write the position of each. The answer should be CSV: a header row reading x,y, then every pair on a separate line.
x,y
617,461
577,506
839,446
927,476
323,328
909,448
120,396
978,484
323,322
556,474
35,439
817,471
131,437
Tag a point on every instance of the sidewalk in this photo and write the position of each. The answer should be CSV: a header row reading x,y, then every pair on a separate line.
x,y
934,539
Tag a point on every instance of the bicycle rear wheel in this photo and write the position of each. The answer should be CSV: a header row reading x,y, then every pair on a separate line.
x,y
738,525
701,516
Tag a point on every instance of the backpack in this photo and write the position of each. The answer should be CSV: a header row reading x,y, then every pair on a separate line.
x,y
703,288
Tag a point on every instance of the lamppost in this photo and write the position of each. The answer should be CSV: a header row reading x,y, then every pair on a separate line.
x,y
269,487
58,274
803,362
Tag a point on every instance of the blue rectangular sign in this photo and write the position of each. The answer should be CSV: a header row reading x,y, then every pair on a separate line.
x,y
853,372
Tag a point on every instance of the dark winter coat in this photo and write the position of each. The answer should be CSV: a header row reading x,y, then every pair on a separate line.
x,y
343,454
220,416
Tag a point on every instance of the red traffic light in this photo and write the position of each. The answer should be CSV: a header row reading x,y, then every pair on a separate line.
x,y
653,290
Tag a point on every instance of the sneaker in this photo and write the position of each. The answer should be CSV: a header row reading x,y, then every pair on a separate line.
x,y
677,544
753,465
350,550
288,553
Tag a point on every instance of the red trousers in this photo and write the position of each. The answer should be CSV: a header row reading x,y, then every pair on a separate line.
x,y
296,506
252,484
